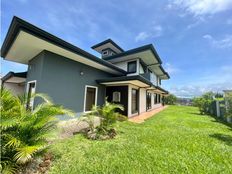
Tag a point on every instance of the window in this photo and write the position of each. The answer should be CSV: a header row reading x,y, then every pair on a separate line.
x,y
134,101
155,98
131,67
158,98
105,53
90,97
148,100
116,96
30,91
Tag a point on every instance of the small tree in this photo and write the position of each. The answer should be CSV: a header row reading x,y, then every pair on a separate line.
x,y
170,99
108,116
24,132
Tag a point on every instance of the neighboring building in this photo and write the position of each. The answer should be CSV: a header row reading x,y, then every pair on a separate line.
x,y
184,101
15,82
77,79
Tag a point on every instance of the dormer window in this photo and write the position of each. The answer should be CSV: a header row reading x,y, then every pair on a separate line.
x,y
132,67
107,48
105,53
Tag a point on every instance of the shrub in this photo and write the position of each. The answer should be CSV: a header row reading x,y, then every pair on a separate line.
x,y
170,99
204,102
228,102
108,116
24,132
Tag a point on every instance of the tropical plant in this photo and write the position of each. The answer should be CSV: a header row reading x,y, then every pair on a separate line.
x,y
108,116
170,99
23,131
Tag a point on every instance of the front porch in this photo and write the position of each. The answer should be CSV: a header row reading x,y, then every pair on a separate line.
x,y
135,93
142,117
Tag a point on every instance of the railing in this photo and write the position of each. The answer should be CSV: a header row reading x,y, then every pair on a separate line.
x,y
146,76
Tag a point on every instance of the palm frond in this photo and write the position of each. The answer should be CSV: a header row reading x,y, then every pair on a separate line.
x,y
8,167
12,141
26,153
24,132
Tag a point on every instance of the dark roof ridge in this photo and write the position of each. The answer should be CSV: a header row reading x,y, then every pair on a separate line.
x,y
135,50
18,24
11,74
106,41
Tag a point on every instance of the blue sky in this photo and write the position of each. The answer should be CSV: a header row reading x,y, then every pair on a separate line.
x,y
193,38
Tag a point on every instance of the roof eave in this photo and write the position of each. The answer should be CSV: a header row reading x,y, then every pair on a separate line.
x,y
105,42
18,24
12,74
136,50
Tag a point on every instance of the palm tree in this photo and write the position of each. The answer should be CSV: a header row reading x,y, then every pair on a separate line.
x,y
24,132
108,116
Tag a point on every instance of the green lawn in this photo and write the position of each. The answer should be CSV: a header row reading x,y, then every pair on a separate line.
x,y
177,140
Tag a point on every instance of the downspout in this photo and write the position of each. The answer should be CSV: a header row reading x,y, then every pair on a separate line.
x,y
139,101
146,99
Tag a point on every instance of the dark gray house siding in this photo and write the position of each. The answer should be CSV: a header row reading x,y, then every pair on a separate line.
x,y
60,78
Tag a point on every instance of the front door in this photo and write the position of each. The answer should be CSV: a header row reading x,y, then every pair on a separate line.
x,y
90,97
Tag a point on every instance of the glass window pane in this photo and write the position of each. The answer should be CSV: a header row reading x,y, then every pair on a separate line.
x,y
90,98
131,67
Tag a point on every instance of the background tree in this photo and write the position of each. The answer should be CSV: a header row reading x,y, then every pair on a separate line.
x,y
204,102
170,99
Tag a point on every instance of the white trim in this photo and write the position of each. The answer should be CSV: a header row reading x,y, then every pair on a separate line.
x,y
88,86
27,90
35,45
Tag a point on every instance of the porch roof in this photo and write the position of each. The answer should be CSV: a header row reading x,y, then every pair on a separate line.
x,y
136,80
13,77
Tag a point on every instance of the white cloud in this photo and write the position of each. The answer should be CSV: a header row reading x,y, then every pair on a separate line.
x,y
225,42
196,23
216,82
155,31
202,7
171,69
197,90
142,36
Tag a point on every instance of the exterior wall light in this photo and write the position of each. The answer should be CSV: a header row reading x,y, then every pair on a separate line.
x,y
81,73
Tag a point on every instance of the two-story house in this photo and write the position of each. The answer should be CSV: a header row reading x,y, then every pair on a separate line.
x,y
77,79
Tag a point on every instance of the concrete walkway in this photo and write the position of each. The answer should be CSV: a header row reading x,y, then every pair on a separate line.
x,y
142,117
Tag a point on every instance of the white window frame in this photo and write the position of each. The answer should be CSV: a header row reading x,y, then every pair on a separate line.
x,y
88,86
27,90
119,96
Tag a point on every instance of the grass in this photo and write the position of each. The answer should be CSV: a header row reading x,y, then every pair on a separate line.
x,y
177,140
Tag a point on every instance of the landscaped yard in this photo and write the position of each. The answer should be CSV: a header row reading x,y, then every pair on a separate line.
x,y
177,140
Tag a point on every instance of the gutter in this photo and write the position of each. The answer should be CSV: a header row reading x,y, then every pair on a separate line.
x,y
18,25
